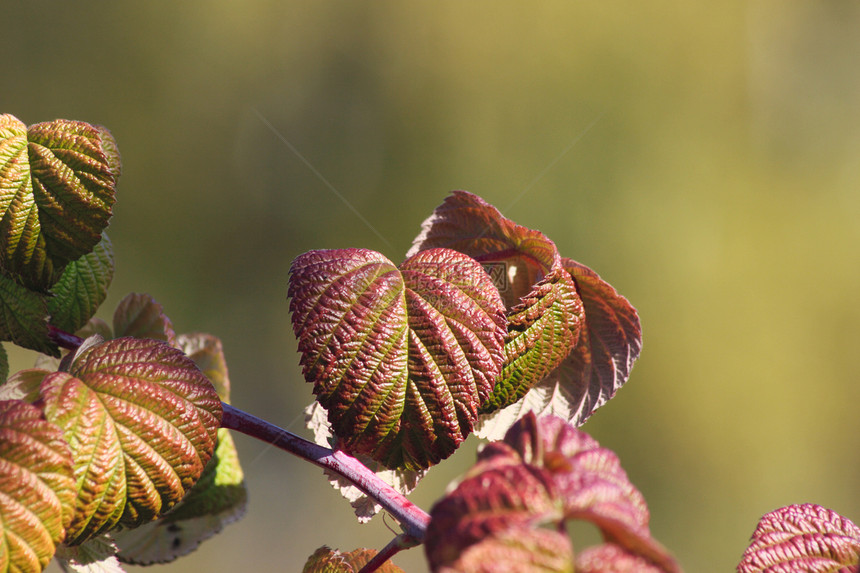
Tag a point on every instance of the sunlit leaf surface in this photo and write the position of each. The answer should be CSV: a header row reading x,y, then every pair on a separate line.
x,y
327,560
82,288
402,359
142,422
37,487
57,184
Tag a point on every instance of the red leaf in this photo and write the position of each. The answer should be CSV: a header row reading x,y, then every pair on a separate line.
x,y
803,538
401,359
545,471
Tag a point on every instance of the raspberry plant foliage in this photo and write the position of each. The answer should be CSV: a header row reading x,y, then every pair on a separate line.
x,y
116,447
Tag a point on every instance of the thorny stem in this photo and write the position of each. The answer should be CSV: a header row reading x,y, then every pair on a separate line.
x,y
412,518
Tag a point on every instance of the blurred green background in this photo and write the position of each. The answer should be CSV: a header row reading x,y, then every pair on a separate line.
x,y
702,157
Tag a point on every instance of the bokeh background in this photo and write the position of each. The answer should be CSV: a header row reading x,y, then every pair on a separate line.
x,y
703,157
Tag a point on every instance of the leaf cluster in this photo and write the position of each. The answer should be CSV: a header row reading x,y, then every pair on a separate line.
x,y
115,448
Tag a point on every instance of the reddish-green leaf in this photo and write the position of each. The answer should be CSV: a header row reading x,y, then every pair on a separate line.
x,y
544,309
37,489
57,182
140,316
82,288
804,537
327,560
218,498
402,359
141,420
545,471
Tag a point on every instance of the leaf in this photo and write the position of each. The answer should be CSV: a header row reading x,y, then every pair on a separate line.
x,y
403,480
543,473
140,316
57,189
217,499
142,422
82,288
402,360
96,555
610,558
37,489
544,309
207,352
24,316
521,551
4,364
327,560
596,368
804,537
542,329
23,385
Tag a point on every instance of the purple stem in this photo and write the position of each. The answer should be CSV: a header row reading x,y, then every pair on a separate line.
x,y
412,518
394,547
63,339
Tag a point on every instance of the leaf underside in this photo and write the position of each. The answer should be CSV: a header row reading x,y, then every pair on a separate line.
x,y
82,288
401,359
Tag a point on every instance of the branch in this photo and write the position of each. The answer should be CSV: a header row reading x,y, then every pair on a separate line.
x,y
395,546
412,518
63,339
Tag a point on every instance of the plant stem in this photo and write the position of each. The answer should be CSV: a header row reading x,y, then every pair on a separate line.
x,y
412,518
394,547
63,339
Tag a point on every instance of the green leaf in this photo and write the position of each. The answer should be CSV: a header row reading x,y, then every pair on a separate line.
x,y
57,185
542,330
142,422
140,316
82,288
37,489
327,560
402,360
23,317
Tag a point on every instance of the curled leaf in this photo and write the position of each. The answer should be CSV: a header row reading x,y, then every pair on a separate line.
x,y
572,338
402,359
57,186
37,489
804,537
141,316
142,422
